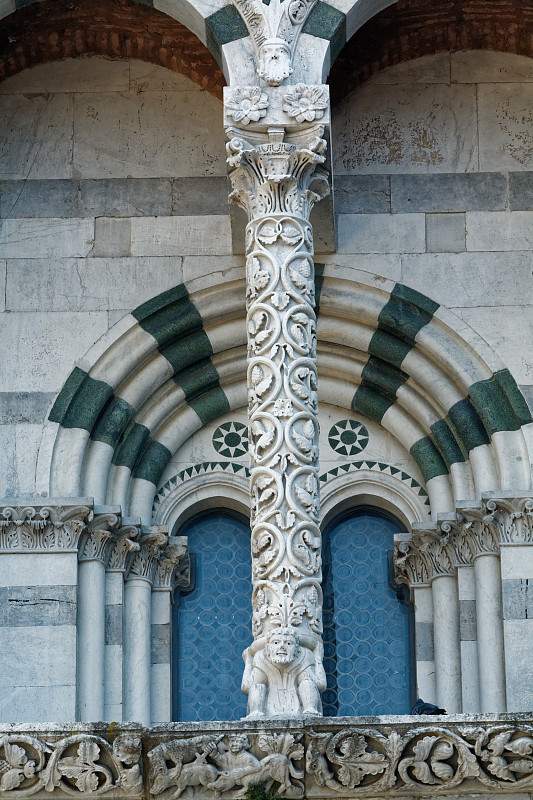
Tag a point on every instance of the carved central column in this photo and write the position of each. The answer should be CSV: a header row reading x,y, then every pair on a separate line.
x,y
277,182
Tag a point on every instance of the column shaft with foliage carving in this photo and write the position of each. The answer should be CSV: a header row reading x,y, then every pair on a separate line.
x,y
277,182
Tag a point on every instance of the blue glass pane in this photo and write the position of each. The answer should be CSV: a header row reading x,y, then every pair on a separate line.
x,y
367,653
212,624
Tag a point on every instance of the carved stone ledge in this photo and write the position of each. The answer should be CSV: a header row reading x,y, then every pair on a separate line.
x,y
42,527
346,757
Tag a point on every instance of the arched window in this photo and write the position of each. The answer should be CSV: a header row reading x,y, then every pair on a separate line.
x,y
367,642
212,623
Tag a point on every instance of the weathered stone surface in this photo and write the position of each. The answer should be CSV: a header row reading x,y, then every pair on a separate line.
x,y
37,142
481,191
362,194
388,265
125,197
424,641
40,198
30,606
40,349
218,267
161,643
146,77
188,236
19,445
91,284
46,238
486,66
153,134
427,69
499,230
16,569
381,233
463,277
519,665
3,271
195,196
398,129
113,624
28,703
24,407
112,237
445,233
527,391
505,126
498,326
467,620
49,655
517,596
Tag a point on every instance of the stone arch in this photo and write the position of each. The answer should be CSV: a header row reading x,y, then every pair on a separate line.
x,y
176,38
178,362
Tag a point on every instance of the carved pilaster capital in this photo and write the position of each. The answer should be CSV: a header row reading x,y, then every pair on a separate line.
x,y
173,566
458,540
122,547
42,528
479,532
512,518
96,537
426,556
144,562
271,175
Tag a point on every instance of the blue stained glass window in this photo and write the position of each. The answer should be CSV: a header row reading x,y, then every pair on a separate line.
x,y
367,648
212,624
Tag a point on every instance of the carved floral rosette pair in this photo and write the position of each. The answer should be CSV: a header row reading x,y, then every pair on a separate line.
x,y
364,761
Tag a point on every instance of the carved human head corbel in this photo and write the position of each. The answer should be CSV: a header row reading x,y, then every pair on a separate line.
x,y
274,61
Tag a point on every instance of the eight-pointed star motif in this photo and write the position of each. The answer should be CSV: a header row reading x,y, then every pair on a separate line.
x,y
231,439
348,437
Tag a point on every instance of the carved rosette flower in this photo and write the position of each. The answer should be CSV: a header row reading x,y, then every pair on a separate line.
x,y
247,104
306,103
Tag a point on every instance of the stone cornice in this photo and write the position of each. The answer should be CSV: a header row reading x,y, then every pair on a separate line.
x,y
320,758
43,527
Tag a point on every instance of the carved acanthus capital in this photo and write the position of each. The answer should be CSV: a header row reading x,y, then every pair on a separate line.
x,y
512,518
277,176
144,562
96,537
426,556
479,531
173,566
459,542
122,547
43,528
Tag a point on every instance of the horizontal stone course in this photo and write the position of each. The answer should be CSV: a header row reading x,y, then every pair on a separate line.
x,y
48,238
499,230
21,606
187,235
471,191
445,233
517,596
362,194
521,191
113,197
381,233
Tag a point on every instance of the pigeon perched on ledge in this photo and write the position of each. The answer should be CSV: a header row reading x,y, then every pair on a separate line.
x,y
421,707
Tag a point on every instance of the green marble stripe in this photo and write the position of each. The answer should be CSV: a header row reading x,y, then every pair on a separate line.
x,y
203,391
404,314
85,405
187,350
169,316
131,445
465,421
151,465
113,421
371,403
446,443
67,394
327,22
428,458
497,402
224,26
